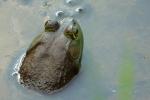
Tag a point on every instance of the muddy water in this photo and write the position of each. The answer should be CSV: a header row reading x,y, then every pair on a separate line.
x,y
116,59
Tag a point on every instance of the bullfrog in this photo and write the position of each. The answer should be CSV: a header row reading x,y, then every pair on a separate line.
x,y
53,58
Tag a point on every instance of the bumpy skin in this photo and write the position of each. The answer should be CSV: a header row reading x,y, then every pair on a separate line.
x,y
52,60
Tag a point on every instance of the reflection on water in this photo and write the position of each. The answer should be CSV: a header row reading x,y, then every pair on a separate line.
x,y
110,28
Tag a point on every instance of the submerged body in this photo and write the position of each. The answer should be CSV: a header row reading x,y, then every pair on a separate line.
x,y
54,57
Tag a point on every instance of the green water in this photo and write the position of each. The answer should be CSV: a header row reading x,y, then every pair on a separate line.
x,y
126,76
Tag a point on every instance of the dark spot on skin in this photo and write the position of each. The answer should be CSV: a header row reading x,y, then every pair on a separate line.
x,y
40,43
45,55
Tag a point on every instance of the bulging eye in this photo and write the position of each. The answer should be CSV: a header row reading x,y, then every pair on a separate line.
x,y
71,32
51,26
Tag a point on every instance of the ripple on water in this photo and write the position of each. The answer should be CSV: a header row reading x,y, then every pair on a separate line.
x,y
60,13
79,9
73,2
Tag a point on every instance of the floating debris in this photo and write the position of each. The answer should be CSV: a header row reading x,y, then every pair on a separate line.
x,y
69,1
79,9
46,4
59,13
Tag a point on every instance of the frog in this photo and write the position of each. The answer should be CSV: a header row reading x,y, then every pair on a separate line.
x,y
54,57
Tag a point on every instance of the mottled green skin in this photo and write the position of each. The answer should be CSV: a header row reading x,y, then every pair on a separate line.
x,y
52,59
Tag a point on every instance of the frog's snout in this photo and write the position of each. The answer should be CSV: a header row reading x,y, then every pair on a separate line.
x,y
51,26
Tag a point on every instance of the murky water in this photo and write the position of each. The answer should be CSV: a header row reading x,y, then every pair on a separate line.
x,y
116,59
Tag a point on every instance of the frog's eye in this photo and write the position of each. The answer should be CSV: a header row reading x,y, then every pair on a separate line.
x,y
51,26
71,32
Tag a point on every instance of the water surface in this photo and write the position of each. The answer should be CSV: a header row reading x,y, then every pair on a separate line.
x,y
116,59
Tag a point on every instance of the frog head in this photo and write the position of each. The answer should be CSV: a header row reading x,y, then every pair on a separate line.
x,y
67,34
